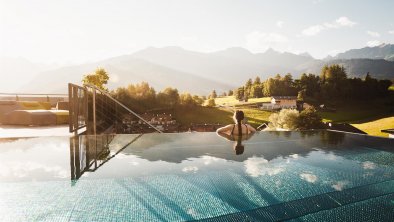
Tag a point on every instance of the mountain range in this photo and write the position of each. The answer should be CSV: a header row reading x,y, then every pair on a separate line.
x,y
200,73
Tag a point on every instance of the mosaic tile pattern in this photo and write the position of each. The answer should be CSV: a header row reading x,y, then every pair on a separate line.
x,y
278,178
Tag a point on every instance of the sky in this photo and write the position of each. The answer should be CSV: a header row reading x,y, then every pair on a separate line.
x,y
79,31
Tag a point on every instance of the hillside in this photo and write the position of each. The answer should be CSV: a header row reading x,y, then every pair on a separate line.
x,y
200,73
122,72
19,71
378,68
383,51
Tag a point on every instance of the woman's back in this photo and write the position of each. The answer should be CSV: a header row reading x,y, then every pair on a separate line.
x,y
238,128
244,129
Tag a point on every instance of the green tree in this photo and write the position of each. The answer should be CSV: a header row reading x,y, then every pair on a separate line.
x,y
301,95
256,91
309,119
213,94
198,100
168,97
248,86
257,81
211,102
99,79
239,93
285,119
186,99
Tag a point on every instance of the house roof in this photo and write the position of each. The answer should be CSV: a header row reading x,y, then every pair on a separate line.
x,y
344,127
390,131
284,97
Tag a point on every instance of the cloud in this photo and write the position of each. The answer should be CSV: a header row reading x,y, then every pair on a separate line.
x,y
259,41
338,186
258,166
373,43
368,165
279,24
373,34
191,169
345,21
308,177
391,32
313,30
338,23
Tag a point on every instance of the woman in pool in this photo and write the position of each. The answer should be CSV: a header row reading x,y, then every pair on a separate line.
x,y
238,128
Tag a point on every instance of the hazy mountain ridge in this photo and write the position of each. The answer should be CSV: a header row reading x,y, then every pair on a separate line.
x,y
123,72
200,73
383,51
19,71
378,68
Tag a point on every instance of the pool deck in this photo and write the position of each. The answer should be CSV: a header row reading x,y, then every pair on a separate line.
x,y
8,131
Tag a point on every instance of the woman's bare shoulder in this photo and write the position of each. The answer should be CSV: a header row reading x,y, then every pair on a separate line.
x,y
225,128
251,128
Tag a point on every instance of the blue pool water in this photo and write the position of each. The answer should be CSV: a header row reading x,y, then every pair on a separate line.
x,y
296,176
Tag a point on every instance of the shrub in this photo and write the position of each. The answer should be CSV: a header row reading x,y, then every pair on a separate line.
x,y
211,102
309,119
286,119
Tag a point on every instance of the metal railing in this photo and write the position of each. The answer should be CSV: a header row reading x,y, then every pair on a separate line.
x,y
39,97
89,153
98,112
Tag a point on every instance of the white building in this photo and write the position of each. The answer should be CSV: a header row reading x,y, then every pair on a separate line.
x,y
281,102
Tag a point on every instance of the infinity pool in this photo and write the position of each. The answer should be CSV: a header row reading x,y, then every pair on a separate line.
x,y
297,176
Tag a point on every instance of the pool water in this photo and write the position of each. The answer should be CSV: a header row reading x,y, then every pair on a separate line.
x,y
296,176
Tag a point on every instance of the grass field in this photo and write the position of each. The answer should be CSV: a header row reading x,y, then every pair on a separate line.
x,y
357,112
369,116
374,127
198,115
231,101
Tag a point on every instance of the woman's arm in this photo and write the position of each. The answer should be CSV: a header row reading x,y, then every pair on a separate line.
x,y
225,129
251,129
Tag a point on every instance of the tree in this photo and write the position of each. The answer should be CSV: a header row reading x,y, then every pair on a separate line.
x,y
213,94
230,92
248,86
239,93
333,78
256,91
285,119
99,79
186,99
211,102
309,119
198,100
301,95
257,81
168,97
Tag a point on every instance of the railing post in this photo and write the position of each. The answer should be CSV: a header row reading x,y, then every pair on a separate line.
x,y
94,111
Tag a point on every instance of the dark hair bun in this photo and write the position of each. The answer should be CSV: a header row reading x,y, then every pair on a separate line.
x,y
239,115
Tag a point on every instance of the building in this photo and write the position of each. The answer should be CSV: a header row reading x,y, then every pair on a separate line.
x,y
281,102
389,131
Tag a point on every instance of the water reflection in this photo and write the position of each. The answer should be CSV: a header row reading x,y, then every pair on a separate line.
x,y
88,153
237,146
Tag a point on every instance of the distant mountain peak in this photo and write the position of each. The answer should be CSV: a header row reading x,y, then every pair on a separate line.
x,y
382,51
383,45
305,54
237,50
271,51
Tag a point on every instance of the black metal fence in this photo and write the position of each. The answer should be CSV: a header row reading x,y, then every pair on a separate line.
x,y
95,111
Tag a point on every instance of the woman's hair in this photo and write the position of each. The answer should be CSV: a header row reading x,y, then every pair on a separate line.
x,y
238,117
